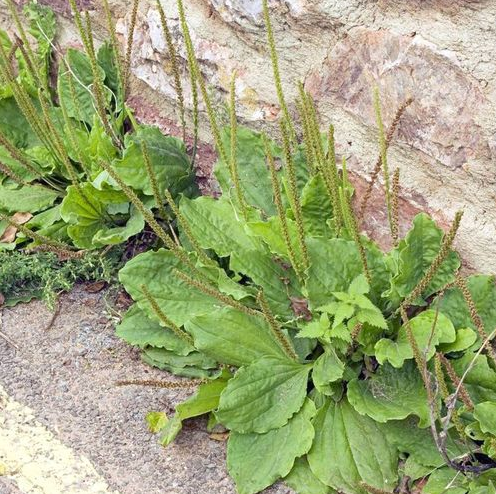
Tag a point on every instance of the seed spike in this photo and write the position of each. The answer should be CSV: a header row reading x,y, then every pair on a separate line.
x,y
98,93
183,222
275,68
24,45
129,48
330,170
171,48
441,256
462,393
443,387
383,148
474,314
315,131
378,164
153,179
394,206
160,384
215,293
233,162
276,329
180,333
280,209
307,140
115,47
197,78
294,196
351,224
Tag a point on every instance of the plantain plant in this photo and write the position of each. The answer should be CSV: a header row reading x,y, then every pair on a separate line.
x,y
57,127
334,364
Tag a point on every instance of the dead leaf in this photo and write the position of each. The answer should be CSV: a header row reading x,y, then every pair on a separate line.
x,y
10,232
2,299
300,308
95,287
123,300
219,436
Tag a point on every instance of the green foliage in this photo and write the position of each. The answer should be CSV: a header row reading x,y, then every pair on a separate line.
x,y
43,275
57,141
334,365
364,352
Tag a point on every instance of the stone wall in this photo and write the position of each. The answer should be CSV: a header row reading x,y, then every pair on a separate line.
x,y
440,52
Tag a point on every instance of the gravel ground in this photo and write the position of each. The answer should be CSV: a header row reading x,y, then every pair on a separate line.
x,y
66,374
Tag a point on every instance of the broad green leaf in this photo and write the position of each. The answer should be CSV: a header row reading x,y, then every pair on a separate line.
x,y
316,208
415,470
252,168
170,430
327,368
485,413
343,312
44,161
77,67
205,399
303,481
416,253
480,380
483,291
445,481
279,283
178,300
372,317
263,395
86,210
216,226
316,328
27,198
42,26
350,448
156,421
465,338
391,394
168,159
419,443
136,328
359,286
106,60
195,364
118,234
381,276
233,337
271,233
483,489
17,168
256,461
15,126
99,144
426,334
334,264
167,357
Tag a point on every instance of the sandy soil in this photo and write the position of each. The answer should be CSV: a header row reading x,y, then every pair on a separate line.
x,y
67,375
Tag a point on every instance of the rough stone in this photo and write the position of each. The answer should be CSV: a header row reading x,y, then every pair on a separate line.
x,y
440,122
